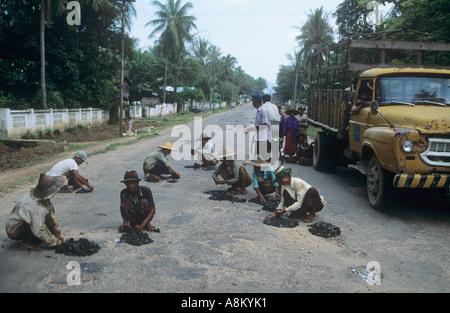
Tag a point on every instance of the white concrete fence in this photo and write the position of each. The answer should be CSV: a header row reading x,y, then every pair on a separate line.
x,y
164,109
16,123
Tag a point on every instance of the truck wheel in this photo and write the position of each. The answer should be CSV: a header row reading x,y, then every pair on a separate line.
x,y
321,152
379,184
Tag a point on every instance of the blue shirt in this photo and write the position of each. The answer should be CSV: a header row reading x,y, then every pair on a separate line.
x,y
266,175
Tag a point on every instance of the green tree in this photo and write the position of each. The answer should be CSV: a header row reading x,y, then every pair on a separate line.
x,y
315,34
174,26
213,58
229,63
351,18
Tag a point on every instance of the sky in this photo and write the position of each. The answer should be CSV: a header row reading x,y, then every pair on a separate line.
x,y
258,33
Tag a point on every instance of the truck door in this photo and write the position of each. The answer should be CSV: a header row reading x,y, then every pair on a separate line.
x,y
360,116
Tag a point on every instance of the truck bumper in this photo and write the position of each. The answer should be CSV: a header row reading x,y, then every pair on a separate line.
x,y
422,181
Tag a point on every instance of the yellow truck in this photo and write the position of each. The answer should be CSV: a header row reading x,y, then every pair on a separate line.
x,y
392,124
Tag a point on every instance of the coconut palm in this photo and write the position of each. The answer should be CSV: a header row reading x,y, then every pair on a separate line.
x,y
174,26
214,64
200,49
229,67
315,35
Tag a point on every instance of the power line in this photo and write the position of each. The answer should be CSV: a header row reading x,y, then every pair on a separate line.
x,y
249,15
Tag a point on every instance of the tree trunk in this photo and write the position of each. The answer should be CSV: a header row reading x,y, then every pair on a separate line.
x,y
42,46
165,78
177,74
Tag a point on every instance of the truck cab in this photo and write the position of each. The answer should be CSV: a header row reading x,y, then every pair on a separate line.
x,y
400,134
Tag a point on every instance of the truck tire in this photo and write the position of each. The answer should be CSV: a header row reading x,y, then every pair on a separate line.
x,y
379,184
321,152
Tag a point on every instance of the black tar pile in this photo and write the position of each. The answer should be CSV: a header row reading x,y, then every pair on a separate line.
x,y
82,247
283,222
324,229
136,239
221,195
270,205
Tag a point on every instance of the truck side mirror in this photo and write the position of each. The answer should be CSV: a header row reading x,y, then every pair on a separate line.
x,y
374,107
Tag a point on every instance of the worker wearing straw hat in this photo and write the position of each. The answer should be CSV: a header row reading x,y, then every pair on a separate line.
x,y
157,164
33,219
232,172
264,180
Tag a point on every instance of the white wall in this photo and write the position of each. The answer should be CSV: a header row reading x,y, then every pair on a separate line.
x,y
15,123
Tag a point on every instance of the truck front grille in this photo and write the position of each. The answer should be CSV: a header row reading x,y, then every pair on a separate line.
x,y
437,153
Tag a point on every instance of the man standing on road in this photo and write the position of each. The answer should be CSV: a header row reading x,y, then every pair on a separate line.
x,y
33,219
274,114
136,205
69,169
263,129
298,197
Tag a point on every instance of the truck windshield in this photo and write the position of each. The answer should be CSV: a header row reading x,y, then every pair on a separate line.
x,y
418,90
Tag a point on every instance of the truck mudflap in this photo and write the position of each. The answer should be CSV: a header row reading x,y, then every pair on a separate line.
x,y
422,181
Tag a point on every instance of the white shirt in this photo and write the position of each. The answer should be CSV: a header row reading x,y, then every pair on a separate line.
x,y
63,168
297,190
264,132
274,114
208,151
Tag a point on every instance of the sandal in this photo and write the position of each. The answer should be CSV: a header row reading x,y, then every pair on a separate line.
x,y
310,219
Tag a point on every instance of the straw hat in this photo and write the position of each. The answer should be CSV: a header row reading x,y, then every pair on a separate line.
x,y
130,176
288,112
281,172
47,187
226,153
258,162
167,146
204,136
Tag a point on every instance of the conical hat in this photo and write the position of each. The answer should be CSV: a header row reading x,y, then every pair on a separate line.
x,y
258,162
167,146
288,112
204,136
226,153
47,186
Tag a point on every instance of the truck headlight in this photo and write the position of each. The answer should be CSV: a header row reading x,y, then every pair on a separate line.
x,y
408,146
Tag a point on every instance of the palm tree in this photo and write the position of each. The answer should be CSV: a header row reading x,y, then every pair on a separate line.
x,y
174,24
214,63
230,65
297,61
316,34
200,49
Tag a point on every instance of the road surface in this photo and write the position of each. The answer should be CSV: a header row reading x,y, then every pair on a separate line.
x,y
208,246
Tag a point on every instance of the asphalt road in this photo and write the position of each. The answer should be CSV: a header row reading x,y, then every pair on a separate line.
x,y
208,246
